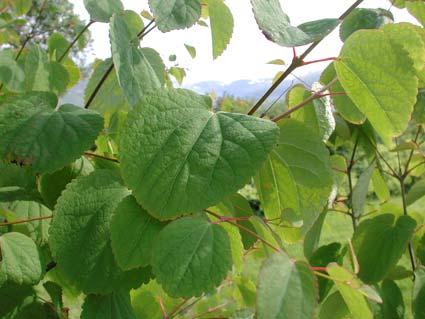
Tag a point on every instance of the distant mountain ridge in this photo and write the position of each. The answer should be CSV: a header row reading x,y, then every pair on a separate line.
x,y
247,89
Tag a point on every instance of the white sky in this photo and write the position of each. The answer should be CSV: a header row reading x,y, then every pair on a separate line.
x,y
248,52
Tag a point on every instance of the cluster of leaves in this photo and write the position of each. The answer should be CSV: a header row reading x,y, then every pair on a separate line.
x,y
129,207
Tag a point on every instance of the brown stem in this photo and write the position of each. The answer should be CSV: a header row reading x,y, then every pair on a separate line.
x,y
22,221
98,86
406,167
140,35
102,157
247,230
75,40
297,62
314,96
410,245
350,184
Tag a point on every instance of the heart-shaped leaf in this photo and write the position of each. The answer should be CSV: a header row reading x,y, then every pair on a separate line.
x,y
191,256
33,132
178,157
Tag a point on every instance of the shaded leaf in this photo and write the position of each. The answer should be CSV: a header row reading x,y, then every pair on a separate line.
x,y
191,256
32,132
133,233
80,234
286,289
378,257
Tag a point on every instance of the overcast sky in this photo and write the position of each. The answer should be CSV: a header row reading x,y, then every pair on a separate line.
x,y
248,52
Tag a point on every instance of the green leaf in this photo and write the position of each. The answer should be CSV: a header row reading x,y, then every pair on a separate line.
x,y
34,133
317,115
175,14
21,263
113,306
360,190
11,296
191,50
417,9
378,257
55,293
138,70
296,179
412,39
11,75
133,233
243,314
343,104
57,45
109,97
15,175
419,110
416,192
236,205
80,234
58,77
379,186
145,301
334,307
362,18
52,185
191,256
392,306
418,305
102,10
38,230
178,157
276,27
221,20
348,286
235,239
37,71
42,75
277,62
74,74
387,103
178,73
323,256
21,7
285,289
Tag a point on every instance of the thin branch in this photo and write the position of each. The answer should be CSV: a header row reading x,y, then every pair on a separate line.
x,y
276,100
406,167
313,97
96,90
247,230
350,184
414,167
297,62
102,157
164,312
177,308
22,221
141,33
75,40
410,245
24,44
98,86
